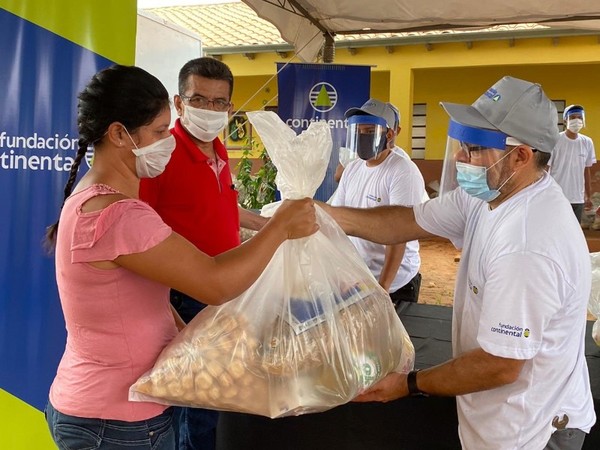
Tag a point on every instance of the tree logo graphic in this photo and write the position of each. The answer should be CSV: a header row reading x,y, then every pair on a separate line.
x,y
89,156
323,97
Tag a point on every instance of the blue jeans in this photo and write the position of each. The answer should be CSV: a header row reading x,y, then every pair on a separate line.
x,y
195,428
78,433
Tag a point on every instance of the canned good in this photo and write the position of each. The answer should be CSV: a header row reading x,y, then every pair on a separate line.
x,y
368,367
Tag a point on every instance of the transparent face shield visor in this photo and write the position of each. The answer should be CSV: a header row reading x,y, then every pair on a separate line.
x,y
470,145
574,113
366,136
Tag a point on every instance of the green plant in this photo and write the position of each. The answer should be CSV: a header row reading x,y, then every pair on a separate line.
x,y
255,189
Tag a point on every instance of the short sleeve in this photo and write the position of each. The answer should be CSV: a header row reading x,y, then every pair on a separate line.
x,y
516,307
591,154
407,187
339,196
445,216
123,228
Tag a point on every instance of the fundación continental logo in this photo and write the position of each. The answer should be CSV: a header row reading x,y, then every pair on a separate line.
x,y
323,97
89,156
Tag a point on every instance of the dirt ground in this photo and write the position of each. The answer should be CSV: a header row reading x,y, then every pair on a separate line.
x,y
439,263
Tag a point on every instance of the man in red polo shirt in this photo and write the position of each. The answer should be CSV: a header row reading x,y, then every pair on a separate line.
x,y
195,195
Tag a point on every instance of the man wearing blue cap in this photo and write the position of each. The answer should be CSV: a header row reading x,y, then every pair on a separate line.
x,y
518,370
383,174
571,160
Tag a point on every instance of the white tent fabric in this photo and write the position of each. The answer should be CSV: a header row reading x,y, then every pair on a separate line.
x,y
304,23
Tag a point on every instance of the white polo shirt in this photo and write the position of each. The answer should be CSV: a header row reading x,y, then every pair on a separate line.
x,y
521,292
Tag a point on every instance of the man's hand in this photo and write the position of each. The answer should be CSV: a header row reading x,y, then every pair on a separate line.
x,y
392,387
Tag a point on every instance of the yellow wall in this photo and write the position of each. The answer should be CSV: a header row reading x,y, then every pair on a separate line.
x,y
431,86
567,68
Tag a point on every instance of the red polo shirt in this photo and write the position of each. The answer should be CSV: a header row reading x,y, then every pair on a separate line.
x,y
192,200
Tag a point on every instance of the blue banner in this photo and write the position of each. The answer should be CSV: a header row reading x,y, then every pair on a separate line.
x,y
41,75
317,92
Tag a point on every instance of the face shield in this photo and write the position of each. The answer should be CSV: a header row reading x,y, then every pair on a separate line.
x,y
574,118
471,146
366,136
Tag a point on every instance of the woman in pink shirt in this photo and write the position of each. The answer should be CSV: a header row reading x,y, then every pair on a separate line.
x,y
116,260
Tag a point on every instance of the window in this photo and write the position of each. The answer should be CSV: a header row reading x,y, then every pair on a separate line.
x,y
419,121
560,108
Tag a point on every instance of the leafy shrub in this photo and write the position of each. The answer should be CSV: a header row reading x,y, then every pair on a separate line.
x,y
255,189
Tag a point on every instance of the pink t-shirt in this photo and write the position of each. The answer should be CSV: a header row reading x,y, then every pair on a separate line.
x,y
117,321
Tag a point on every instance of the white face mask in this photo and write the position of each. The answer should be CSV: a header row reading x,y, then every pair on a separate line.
x,y
204,124
574,125
151,160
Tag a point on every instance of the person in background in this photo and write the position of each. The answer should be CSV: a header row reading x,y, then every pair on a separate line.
x,y
116,259
571,160
346,156
518,370
383,174
195,195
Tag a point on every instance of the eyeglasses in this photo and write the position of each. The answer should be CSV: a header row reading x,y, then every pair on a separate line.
x,y
198,101
471,149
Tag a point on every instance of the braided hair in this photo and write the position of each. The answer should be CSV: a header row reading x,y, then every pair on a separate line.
x,y
124,94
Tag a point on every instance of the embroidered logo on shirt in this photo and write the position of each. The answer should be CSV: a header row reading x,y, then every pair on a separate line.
x,y
373,198
511,330
473,288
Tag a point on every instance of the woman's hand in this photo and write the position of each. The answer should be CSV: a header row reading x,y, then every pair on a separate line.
x,y
298,218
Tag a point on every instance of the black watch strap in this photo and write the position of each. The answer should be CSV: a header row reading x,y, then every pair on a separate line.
x,y
411,381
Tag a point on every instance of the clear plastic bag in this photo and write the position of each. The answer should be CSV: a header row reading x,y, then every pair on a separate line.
x,y
594,303
310,334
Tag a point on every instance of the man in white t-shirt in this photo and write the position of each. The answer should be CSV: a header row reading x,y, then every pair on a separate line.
x,y
383,174
518,371
571,160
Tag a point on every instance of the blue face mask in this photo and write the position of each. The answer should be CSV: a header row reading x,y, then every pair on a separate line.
x,y
473,180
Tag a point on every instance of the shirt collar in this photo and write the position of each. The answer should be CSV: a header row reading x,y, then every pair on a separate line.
x,y
183,136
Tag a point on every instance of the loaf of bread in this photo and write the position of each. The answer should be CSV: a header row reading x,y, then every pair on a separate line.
x,y
214,367
311,356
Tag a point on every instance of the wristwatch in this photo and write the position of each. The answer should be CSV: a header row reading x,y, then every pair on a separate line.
x,y
411,381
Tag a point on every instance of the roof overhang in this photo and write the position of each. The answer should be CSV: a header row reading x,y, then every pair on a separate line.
x,y
309,24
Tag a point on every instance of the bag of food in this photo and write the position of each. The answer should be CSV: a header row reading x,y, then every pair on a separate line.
x,y
594,303
311,333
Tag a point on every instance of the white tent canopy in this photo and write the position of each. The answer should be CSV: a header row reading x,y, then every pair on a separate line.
x,y
308,24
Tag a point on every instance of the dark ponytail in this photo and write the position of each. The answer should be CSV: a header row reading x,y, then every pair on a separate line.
x,y
124,94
